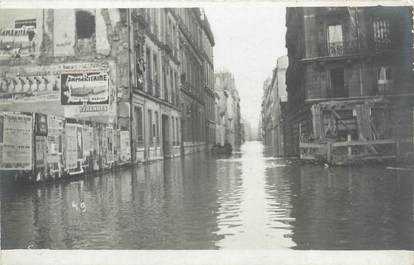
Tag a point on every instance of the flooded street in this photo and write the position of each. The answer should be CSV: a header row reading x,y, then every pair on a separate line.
x,y
249,200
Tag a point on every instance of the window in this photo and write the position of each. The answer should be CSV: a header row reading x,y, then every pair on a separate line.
x,y
85,24
337,83
151,129
381,29
157,134
156,81
173,130
148,71
177,127
384,79
138,118
335,40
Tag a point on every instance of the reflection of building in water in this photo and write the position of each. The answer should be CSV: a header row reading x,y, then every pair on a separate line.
x,y
353,208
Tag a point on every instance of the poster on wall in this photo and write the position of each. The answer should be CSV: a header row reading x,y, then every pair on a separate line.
x,y
18,42
30,85
16,131
125,146
110,145
41,152
87,138
86,88
71,146
54,143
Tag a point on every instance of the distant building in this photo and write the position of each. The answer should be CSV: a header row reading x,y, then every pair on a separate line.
x,y
349,79
228,109
274,108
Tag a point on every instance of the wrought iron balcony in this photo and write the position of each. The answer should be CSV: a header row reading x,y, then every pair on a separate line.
x,y
354,47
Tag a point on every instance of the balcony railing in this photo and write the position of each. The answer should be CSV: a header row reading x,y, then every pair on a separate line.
x,y
354,47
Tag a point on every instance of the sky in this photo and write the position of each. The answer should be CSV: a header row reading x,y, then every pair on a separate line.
x,y
248,42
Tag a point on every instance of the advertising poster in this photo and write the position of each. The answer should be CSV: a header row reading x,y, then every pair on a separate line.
x,y
87,140
18,42
54,143
79,142
110,145
41,152
71,144
41,124
125,146
16,133
31,84
87,88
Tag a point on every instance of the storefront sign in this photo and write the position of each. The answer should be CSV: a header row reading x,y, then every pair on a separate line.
x,y
85,88
15,141
17,43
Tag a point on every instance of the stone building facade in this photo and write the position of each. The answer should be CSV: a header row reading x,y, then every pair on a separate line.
x,y
274,108
228,110
142,73
349,76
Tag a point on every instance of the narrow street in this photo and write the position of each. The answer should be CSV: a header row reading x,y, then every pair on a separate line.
x,y
249,200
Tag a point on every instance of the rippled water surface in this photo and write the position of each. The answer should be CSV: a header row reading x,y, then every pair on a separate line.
x,y
248,200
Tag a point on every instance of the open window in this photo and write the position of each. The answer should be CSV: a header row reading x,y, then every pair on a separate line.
x,y
85,24
335,40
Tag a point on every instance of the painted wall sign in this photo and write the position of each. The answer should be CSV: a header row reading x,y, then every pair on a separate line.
x,y
15,141
85,88
18,42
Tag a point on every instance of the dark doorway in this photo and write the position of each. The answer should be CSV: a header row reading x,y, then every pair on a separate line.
x,y
337,84
165,136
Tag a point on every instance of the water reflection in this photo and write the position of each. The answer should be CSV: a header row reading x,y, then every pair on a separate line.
x,y
249,200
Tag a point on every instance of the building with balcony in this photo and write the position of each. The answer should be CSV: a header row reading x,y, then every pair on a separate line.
x,y
349,80
274,108
228,110
156,85
196,63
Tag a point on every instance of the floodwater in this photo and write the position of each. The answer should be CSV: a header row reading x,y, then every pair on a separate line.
x,y
246,201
